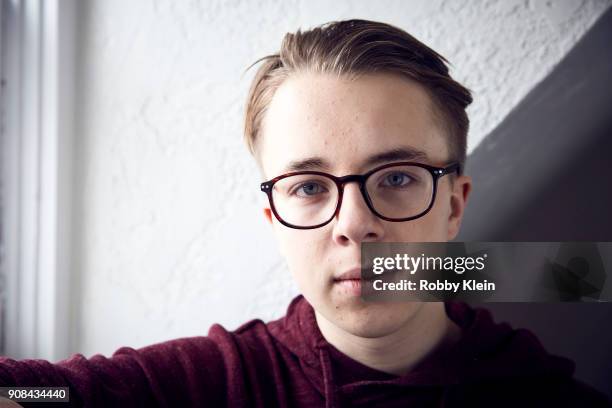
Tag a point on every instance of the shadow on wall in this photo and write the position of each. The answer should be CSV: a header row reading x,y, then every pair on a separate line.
x,y
545,174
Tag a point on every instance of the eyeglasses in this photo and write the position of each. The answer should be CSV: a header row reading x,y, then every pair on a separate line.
x,y
401,191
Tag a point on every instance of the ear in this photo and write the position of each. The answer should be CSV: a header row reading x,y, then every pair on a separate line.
x,y
268,214
461,189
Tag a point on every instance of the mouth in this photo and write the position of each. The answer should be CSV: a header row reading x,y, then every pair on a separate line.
x,y
351,287
349,281
351,274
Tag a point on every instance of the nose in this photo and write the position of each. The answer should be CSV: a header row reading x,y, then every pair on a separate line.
x,y
355,222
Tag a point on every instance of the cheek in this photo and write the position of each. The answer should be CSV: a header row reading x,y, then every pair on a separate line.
x,y
436,222
304,252
432,227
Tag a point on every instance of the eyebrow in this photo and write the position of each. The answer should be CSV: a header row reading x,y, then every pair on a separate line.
x,y
397,154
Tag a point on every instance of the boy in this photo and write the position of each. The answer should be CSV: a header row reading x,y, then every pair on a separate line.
x,y
361,134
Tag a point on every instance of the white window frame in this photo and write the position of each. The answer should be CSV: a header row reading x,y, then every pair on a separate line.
x,y
36,135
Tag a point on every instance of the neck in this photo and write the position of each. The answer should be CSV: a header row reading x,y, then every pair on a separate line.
x,y
398,352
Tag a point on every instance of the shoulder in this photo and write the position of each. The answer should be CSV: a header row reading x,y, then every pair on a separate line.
x,y
586,393
251,333
529,391
252,341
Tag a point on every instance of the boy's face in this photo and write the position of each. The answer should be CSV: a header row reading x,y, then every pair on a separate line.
x,y
343,123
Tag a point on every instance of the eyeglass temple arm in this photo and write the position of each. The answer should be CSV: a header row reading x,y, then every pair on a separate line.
x,y
455,167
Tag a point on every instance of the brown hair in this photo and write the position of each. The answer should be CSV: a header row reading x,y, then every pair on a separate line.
x,y
355,47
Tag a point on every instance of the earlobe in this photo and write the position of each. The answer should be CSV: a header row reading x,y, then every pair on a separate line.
x,y
268,214
461,191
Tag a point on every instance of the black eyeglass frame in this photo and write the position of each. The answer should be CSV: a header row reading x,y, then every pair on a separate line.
x,y
436,173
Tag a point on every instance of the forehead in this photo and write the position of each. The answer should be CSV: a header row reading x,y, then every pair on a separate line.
x,y
338,124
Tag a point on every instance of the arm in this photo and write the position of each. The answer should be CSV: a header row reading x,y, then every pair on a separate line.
x,y
184,372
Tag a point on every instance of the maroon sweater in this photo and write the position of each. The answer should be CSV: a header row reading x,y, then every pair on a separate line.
x,y
288,363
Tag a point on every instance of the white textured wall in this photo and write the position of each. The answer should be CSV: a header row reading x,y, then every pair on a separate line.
x,y
170,236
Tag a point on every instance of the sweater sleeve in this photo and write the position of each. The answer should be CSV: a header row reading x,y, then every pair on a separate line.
x,y
185,372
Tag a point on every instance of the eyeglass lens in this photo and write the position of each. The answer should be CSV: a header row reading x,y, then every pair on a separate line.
x,y
395,192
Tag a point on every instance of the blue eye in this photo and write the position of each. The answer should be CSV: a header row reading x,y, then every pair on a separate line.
x,y
309,189
397,179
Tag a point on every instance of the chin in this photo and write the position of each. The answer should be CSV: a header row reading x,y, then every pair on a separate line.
x,y
372,320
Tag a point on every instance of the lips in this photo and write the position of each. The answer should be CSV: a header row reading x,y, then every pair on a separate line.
x,y
353,274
